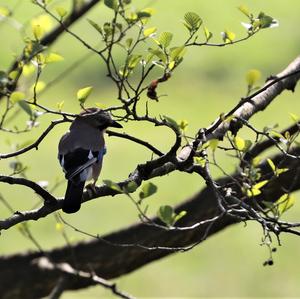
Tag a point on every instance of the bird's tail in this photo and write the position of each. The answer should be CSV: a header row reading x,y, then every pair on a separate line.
x,y
73,197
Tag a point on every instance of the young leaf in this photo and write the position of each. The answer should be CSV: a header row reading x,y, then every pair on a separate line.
x,y
228,36
165,214
171,121
96,26
38,87
207,33
177,53
272,165
178,216
239,143
285,202
245,10
53,57
252,77
112,185
24,105
149,31
133,60
213,144
83,93
266,21
165,39
148,189
17,96
61,11
113,4
255,190
192,21
130,187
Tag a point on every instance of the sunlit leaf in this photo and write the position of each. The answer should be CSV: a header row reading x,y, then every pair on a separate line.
x,y
271,164
4,11
112,185
148,189
171,121
285,202
38,87
165,39
53,57
17,96
83,93
165,214
239,143
192,21
244,9
228,36
207,33
213,144
62,12
253,76
149,31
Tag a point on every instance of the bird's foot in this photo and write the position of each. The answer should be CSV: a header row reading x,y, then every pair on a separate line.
x,y
91,188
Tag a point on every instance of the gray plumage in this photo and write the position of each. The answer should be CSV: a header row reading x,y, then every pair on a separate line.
x,y
81,151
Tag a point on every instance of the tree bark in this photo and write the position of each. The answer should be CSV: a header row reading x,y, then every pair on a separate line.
x,y
31,280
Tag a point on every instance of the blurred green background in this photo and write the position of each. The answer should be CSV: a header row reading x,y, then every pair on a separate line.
x,y
208,82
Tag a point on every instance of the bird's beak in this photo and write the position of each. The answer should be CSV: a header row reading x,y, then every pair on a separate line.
x,y
115,124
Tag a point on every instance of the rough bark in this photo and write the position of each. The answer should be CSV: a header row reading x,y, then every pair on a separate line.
x,y
124,259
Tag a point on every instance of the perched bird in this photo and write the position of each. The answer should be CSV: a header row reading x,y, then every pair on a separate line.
x,y
81,151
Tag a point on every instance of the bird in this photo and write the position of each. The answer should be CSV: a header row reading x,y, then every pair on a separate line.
x,y
81,151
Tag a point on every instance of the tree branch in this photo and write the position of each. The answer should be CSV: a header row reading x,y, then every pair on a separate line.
x,y
200,207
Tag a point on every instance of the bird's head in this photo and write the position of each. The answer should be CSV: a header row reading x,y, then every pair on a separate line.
x,y
97,118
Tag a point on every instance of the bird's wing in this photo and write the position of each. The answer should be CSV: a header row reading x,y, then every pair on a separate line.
x,y
76,161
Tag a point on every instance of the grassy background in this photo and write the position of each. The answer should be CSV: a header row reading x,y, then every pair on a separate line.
x,y
210,81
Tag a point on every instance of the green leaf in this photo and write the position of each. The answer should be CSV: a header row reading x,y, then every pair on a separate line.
x,y
228,36
255,190
200,161
165,214
83,93
192,21
213,144
183,124
177,52
114,186
253,76
53,57
245,10
171,122
130,187
239,143
294,117
272,165
160,54
96,26
285,202
165,39
149,31
207,33
113,4
62,12
148,189
26,107
4,11
38,86
266,21
133,60
17,96
179,216
128,42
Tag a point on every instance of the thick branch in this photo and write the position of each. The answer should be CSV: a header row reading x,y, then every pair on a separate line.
x,y
124,259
